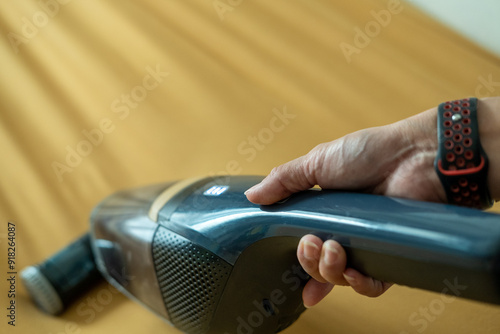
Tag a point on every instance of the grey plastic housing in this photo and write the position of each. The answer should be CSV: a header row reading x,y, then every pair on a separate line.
x,y
213,262
121,237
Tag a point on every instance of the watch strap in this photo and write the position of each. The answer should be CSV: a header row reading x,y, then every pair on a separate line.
x,y
461,163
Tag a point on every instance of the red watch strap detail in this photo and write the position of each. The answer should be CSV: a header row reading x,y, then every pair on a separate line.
x,y
457,172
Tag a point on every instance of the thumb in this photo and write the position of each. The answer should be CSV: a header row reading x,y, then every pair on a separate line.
x,y
283,181
314,292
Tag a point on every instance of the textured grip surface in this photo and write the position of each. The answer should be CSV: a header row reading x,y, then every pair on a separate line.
x,y
191,280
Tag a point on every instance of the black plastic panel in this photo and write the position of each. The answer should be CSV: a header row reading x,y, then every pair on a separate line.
x,y
191,280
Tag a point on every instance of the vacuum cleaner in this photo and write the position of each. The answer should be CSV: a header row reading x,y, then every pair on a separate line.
x,y
198,254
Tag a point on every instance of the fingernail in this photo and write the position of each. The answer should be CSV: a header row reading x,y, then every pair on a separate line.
x,y
331,254
350,279
251,189
310,250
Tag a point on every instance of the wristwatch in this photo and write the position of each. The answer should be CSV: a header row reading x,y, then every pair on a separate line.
x,y
461,163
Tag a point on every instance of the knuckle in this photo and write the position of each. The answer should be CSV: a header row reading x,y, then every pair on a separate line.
x,y
310,266
331,275
371,288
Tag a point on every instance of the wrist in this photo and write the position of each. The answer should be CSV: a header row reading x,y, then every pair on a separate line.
x,y
418,138
489,133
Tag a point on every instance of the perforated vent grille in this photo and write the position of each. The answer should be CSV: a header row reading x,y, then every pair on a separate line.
x,y
191,280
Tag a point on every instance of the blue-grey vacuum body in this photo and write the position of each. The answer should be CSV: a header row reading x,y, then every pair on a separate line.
x,y
200,255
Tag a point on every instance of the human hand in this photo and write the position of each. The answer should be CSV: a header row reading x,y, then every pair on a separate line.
x,y
394,160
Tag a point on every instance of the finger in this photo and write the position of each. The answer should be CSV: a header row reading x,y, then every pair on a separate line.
x,y
314,292
333,262
345,163
309,254
283,181
364,285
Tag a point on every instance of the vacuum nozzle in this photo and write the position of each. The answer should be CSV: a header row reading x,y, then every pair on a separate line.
x,y
41,290
56,282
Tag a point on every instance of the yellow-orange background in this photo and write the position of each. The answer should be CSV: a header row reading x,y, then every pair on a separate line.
x,y
226,76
